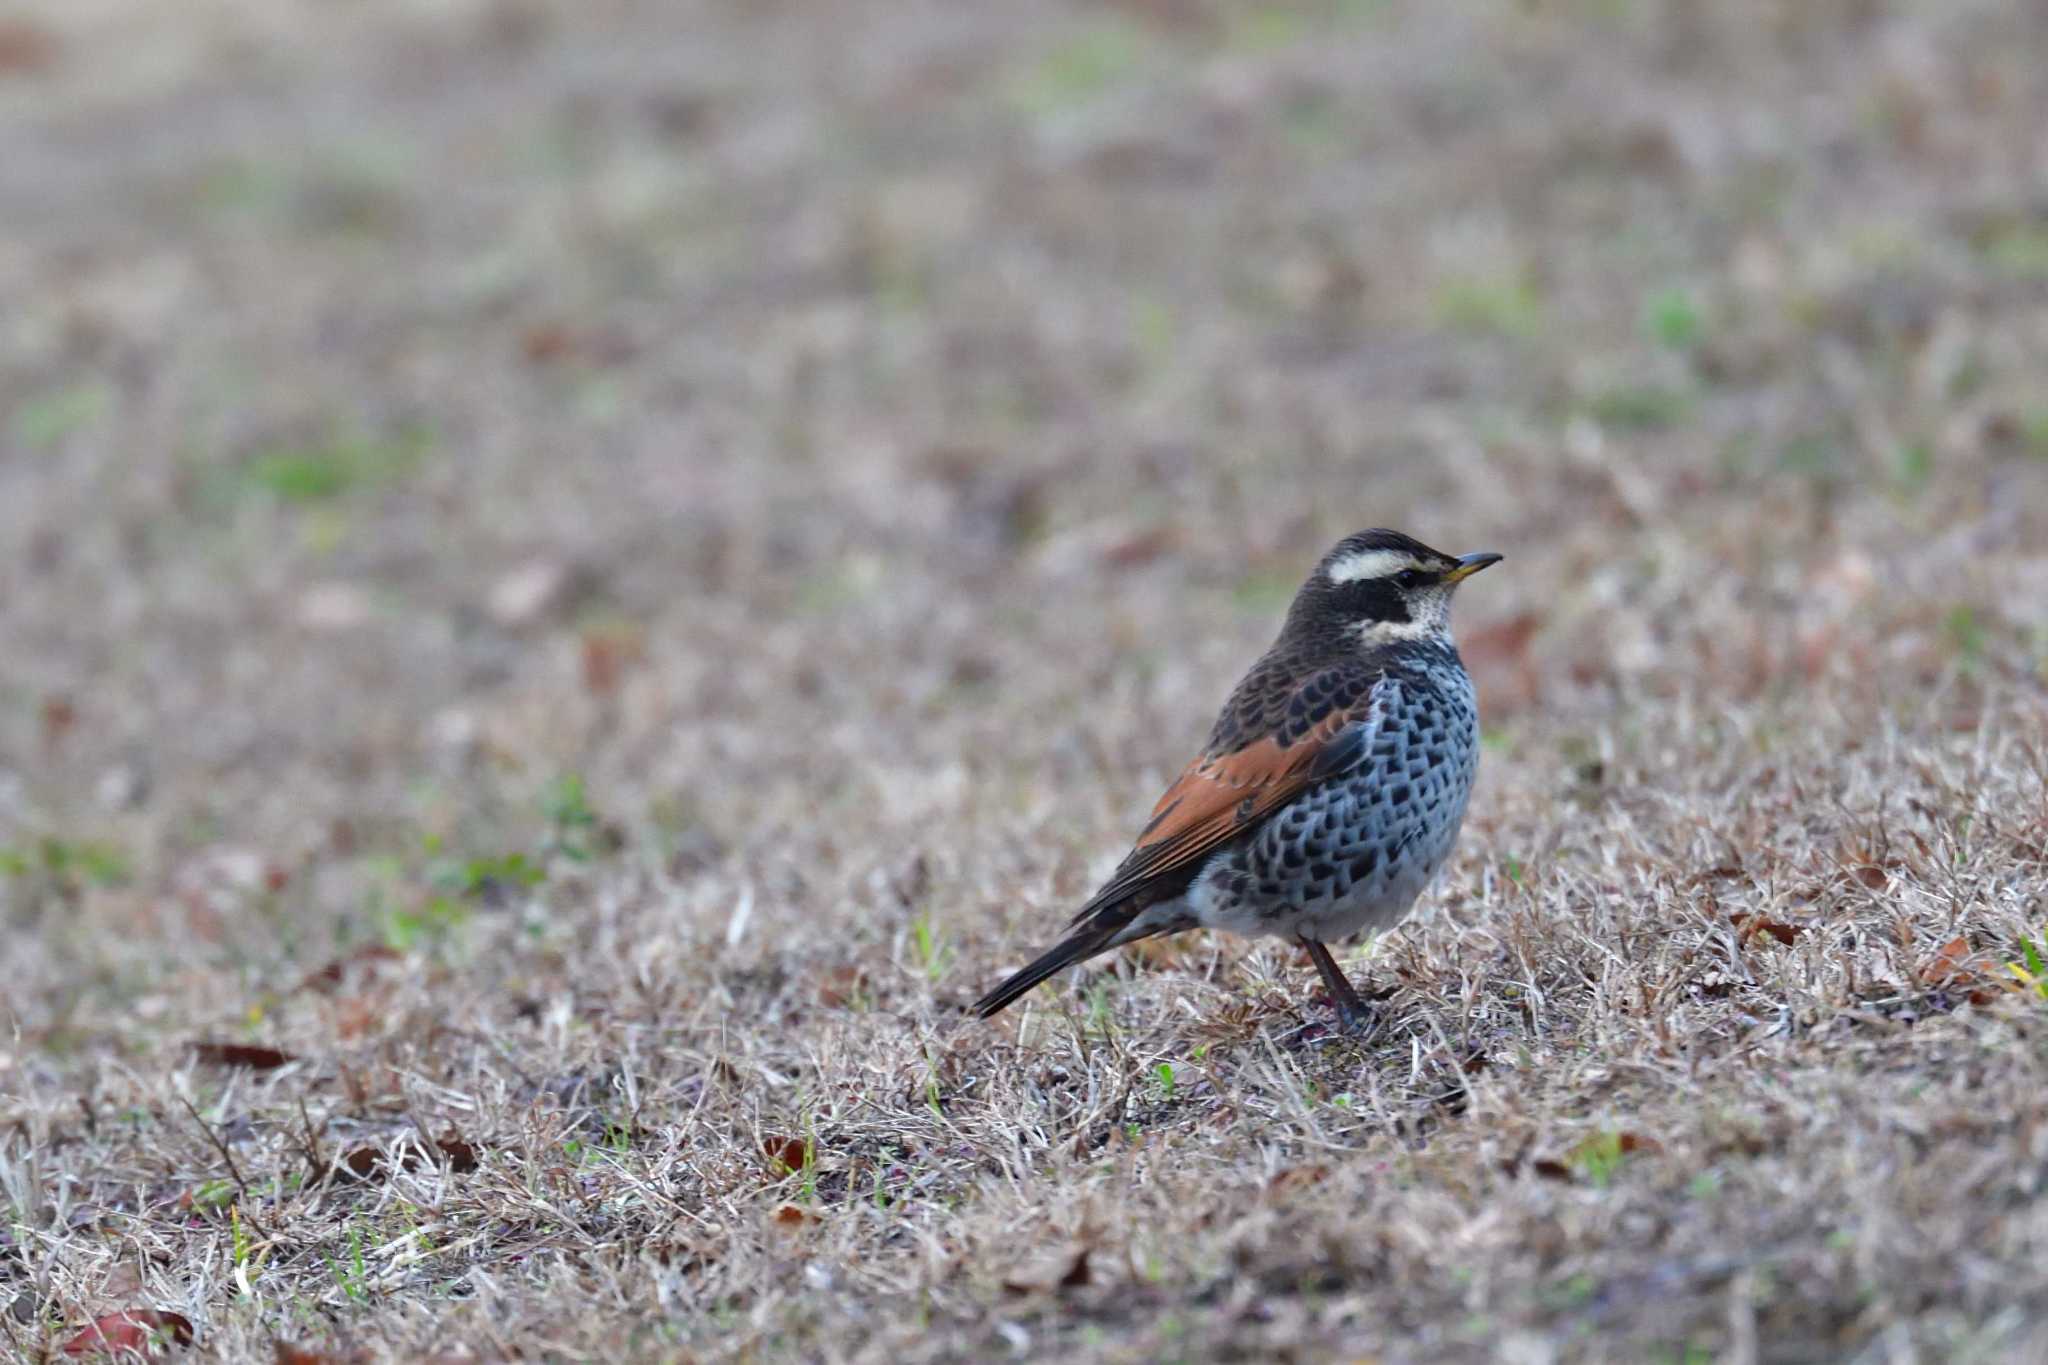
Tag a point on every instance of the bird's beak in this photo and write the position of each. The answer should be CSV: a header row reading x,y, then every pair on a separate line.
x,y
1472,564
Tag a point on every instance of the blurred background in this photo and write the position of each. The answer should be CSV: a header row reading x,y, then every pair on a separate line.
x,y
575,578
755,419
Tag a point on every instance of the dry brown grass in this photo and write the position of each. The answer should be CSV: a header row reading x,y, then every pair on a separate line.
x,y
862,448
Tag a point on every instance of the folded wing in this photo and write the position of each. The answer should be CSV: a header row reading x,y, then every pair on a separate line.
x,y
1326,728
1265,752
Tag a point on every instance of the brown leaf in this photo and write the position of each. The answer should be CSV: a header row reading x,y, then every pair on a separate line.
x,y
356,1016
1140,548
25,48
1872,876
547,343
461,1156
1503,641
331,975
1497,656
785,1155
1296,1178
842,986
1748,926
59,716
792,1216
361,1163
1550,1168
145,1331
556,343
1947,964
608,651
365,1162
251,1055
1954,968
284,1353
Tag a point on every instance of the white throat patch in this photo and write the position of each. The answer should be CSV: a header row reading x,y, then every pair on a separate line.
x,y
1370,564
1387,632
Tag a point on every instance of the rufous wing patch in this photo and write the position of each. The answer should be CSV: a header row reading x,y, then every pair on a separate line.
x,y
1217,796
1221,795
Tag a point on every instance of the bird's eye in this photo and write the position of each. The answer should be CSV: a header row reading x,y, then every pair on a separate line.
x,y
1407,578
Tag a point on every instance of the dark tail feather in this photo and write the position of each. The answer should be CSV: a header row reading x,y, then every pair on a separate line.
x,y
1082,943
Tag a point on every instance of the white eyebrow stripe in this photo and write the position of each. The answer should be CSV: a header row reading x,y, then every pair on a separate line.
x,y
1370,564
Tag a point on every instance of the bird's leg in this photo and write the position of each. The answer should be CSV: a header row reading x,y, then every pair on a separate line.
x,y
1353,1014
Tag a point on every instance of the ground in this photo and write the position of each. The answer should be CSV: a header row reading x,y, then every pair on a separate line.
x,y
577,580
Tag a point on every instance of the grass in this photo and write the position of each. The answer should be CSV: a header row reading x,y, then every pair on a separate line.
x,y
1081,66
331,468
393,973
47,418
1673,318
1505,307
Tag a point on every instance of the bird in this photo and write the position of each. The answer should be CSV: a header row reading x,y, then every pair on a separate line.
x,y
1333,785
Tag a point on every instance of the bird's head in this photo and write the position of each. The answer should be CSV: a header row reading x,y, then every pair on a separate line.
x,y
1380,587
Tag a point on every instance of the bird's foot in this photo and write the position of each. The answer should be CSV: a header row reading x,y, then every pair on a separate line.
x,y
1358,1020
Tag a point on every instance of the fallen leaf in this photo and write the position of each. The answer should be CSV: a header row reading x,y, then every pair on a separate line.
x,y
1748,925
356,1016
461,1156
331,975
842,986
145,1331
785,1155
284,1353
367,1161
1954,968
1497,656
1947,964
251,1055
25,47
1297,1178
1872,876
547,342
608,651
60,714
1140,548
361,1163
555,343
